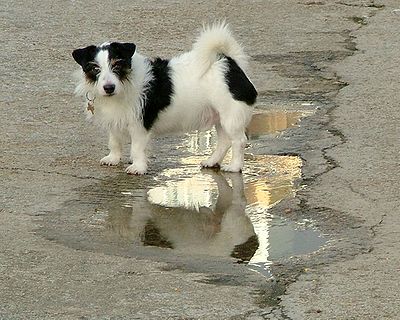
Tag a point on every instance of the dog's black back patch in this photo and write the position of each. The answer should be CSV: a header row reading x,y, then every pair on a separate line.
x,y
159,92
239,85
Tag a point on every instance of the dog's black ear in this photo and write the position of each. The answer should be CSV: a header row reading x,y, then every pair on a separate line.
x,y
84,55
125,50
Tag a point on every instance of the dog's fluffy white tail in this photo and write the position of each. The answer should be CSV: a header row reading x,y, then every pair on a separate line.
x,y
214,40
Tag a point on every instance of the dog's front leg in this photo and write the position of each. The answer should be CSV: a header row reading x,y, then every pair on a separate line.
x,y
139,141
115,145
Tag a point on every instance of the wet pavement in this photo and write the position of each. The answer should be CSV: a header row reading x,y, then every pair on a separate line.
x,y
196,211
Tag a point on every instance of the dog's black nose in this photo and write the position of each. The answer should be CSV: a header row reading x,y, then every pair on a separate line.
x,y
109,88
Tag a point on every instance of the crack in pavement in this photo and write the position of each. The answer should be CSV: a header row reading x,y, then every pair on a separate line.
x,y
307,66
51,172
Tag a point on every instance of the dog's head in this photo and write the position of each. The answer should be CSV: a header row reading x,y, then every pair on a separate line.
x,y
107,66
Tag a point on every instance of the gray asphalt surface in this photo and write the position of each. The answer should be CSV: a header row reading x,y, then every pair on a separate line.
x,y
340,56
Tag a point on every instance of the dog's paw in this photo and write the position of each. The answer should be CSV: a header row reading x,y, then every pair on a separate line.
x,y
206,164
110,160
136,169
231,168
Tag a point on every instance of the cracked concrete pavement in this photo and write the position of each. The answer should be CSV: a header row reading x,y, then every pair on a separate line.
x,y
365,184
340,55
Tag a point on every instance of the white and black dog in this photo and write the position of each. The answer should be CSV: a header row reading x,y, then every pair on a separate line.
x,y
136,97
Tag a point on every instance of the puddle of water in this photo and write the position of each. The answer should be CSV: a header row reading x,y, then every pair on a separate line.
x,y
244,224
261,124
228,213
271,122
195,211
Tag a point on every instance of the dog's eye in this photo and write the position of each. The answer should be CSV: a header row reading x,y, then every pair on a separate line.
x,y
93,69
117,67
96,69
120,68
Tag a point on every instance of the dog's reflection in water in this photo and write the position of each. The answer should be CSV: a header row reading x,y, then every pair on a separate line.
x,y
222,229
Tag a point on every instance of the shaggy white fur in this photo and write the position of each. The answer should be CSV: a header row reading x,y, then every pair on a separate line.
x,y
200,98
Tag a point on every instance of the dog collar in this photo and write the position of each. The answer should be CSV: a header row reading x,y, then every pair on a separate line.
x,y
90,103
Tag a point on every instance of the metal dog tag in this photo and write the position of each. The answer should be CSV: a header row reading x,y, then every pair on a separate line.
x,y
90,106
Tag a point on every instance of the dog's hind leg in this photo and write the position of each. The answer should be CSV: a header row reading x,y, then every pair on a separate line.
x,y
234,121
139,141
238,144
115,145
223,145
